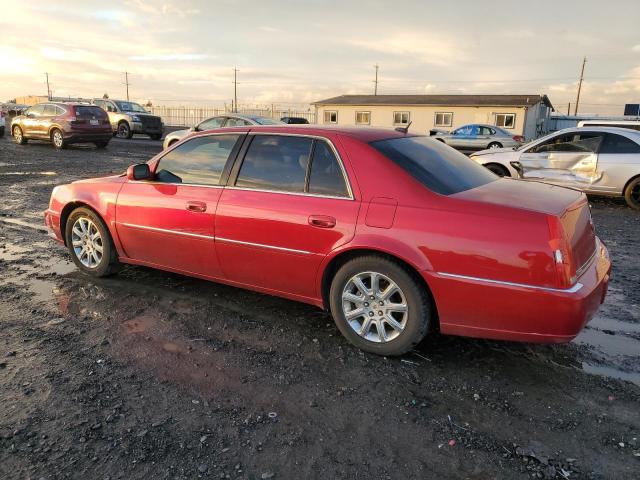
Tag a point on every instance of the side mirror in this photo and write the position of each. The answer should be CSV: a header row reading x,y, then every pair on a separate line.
x,y
139,172
193,129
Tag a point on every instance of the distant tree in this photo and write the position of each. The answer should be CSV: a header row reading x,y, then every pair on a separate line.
x,y
105,96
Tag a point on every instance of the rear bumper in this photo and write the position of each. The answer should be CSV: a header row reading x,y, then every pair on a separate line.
x,y
492,309
76,137
52,222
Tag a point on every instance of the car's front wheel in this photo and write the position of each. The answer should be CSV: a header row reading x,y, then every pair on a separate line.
x,y
124,131
18,136
379,306
90,244
632,193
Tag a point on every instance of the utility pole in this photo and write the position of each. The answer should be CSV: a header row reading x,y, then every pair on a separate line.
x,y
48,89
235,90
126,82
375,82
569,109
575,111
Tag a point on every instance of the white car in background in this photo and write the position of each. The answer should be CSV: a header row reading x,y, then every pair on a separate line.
x,y
596,160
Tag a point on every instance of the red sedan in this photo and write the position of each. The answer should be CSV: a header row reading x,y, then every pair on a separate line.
x,y
396,234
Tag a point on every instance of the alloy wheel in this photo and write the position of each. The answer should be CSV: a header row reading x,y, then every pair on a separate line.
x,y
17,134
87,242
375,307
123,130
57,138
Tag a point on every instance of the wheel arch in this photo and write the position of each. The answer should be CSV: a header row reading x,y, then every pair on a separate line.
x,y
503,167
74,205
344,256
635,177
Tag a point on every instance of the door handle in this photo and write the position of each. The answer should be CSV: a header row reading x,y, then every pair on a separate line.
x,y
196,206
322,221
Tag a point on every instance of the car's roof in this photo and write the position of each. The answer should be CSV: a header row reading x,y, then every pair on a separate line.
x,y
364,134
594,128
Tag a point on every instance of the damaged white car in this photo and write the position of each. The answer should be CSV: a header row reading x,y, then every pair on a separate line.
x,y
596,160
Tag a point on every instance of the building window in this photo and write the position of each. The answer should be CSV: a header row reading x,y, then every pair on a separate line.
x,y
363,118
330,116
506,120
400,118
443,119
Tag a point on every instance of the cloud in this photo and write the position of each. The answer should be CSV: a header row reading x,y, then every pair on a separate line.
x,y
169,57
636,48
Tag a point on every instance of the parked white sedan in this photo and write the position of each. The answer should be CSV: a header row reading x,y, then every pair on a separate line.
x,y
596,160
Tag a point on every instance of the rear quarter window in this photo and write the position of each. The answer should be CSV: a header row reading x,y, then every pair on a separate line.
x,y
437,166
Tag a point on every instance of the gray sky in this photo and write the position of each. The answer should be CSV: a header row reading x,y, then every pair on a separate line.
x,y
183,52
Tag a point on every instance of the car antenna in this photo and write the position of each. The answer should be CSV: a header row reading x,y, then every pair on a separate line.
x,y
404,130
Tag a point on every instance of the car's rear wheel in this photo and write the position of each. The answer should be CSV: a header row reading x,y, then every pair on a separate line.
x,y
495,145
90,244
632,193
498,169
57,139
18,136
101,145
379,306
124,131
1,131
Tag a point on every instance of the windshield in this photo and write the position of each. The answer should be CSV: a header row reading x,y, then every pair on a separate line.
x,y
437,166
266,121
130,107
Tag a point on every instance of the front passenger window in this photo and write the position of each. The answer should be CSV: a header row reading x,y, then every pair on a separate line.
x,y
198,161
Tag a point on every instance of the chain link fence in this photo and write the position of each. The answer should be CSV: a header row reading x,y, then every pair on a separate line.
x,y
188,116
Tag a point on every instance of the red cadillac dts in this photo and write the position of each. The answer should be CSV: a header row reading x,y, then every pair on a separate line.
x,y
396,234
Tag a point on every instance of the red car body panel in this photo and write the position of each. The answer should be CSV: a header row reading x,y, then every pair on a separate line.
x,y
484,253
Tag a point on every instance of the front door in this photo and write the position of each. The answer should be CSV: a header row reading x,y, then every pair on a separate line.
x,y
170,221
288,205
463,137
569,159
30,124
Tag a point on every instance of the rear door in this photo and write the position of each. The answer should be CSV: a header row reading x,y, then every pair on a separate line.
x,y
618,161
569,159
170,221
287,205
482,137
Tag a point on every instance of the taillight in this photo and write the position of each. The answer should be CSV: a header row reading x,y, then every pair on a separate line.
x,y
518,138
562,256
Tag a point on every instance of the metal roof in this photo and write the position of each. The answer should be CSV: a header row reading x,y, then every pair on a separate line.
x,y
444,100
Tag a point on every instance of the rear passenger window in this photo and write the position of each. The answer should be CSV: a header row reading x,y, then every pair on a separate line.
x,y
49,111
198,161
619,144
275,162
325,177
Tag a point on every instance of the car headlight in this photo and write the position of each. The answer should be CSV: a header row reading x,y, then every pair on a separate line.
x,y
135,118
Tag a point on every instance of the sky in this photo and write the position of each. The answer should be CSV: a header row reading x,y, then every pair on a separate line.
x,y
291,53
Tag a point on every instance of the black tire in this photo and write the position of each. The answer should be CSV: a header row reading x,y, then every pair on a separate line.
x,y
57,139
494,145
419,313
18,136
632,193
156,136
1,131
498,169
108,263
124,130
101,145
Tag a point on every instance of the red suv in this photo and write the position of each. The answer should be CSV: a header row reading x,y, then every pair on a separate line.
x,y
396,234
62,124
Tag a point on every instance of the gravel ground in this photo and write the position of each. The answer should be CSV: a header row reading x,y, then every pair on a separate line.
x,y
153,375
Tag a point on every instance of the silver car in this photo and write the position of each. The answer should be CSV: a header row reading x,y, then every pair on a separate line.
x,y
222,121
596,160
478,137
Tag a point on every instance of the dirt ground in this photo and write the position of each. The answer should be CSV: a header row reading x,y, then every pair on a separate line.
x,y
153,375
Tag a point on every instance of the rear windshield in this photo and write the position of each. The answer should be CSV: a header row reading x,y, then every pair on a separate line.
x,y
437,166
89,112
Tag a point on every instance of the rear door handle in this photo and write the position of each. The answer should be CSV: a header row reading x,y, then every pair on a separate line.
x,y
322,221
196,206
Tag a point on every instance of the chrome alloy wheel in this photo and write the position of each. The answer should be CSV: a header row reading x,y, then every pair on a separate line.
x,y
87,242
17,134
375,307
58,140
